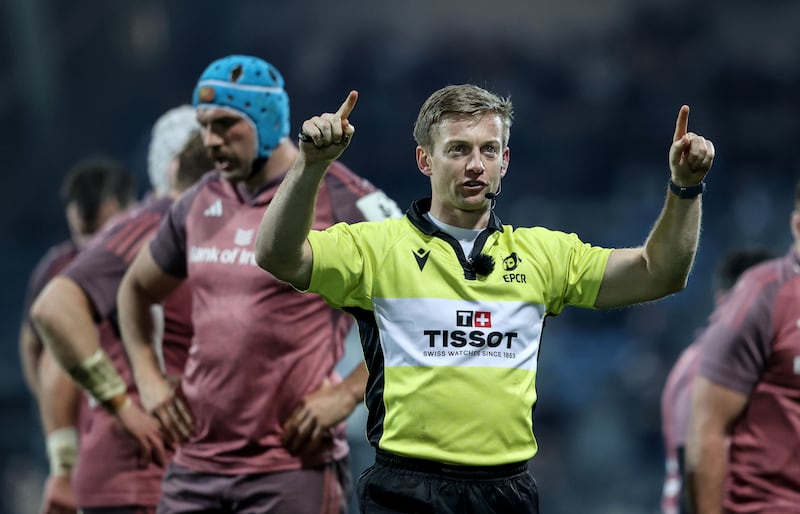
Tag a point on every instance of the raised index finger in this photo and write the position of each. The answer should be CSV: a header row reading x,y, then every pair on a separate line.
x,y
682,123
347,107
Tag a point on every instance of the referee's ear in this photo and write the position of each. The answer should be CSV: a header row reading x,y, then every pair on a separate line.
x,y
424,161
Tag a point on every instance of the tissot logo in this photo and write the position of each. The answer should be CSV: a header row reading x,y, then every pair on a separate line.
x,y
480,319
476,338
421,255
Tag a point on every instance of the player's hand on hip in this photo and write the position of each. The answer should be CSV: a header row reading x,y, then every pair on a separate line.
x,y
145,429
691,155
323,138
173,413
310,423
58,497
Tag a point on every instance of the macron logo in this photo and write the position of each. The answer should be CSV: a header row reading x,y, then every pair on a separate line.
x,y
422,257
215,210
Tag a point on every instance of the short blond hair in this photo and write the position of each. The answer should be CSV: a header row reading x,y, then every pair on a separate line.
x,y
460,100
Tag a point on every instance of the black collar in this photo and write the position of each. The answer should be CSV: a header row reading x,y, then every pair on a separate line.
x,y
416,214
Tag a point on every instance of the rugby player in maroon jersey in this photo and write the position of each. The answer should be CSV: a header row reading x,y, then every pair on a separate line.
x,y
93,191
267,427
676,396
115,470
743,448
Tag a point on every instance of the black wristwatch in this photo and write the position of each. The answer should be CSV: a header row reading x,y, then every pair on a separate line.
x,y
687,192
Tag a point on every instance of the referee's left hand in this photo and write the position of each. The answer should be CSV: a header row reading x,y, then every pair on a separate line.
x,y
691,155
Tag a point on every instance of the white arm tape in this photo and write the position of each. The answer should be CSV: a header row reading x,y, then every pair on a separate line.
x,y
62,451
97,375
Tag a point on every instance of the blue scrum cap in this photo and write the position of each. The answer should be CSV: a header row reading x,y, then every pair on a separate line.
x,y
252,87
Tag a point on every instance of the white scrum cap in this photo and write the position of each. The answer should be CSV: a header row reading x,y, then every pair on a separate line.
x,y
170,134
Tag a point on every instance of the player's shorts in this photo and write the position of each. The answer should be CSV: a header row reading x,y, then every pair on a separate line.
x,y
325,489
397,484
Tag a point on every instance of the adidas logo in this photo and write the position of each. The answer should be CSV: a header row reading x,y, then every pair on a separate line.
x,y
215,210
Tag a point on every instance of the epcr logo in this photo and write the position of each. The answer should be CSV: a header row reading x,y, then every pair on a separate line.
x,y
511,262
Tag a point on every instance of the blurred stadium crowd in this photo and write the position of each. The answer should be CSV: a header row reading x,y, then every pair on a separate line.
x,y
596,88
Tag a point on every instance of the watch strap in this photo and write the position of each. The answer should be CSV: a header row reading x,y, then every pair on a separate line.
x,y
687,192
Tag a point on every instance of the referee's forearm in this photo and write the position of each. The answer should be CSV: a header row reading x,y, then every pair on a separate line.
x,y
672,244
281,247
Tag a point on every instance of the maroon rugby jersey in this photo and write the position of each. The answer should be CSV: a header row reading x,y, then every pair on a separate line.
x,y
753,346
53,263
107,474
55,260
259,345
676,405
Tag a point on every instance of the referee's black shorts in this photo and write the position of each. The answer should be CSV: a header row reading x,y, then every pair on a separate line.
x,y
411,486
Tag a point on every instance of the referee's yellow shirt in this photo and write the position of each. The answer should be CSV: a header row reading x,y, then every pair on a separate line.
x,y
452,355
